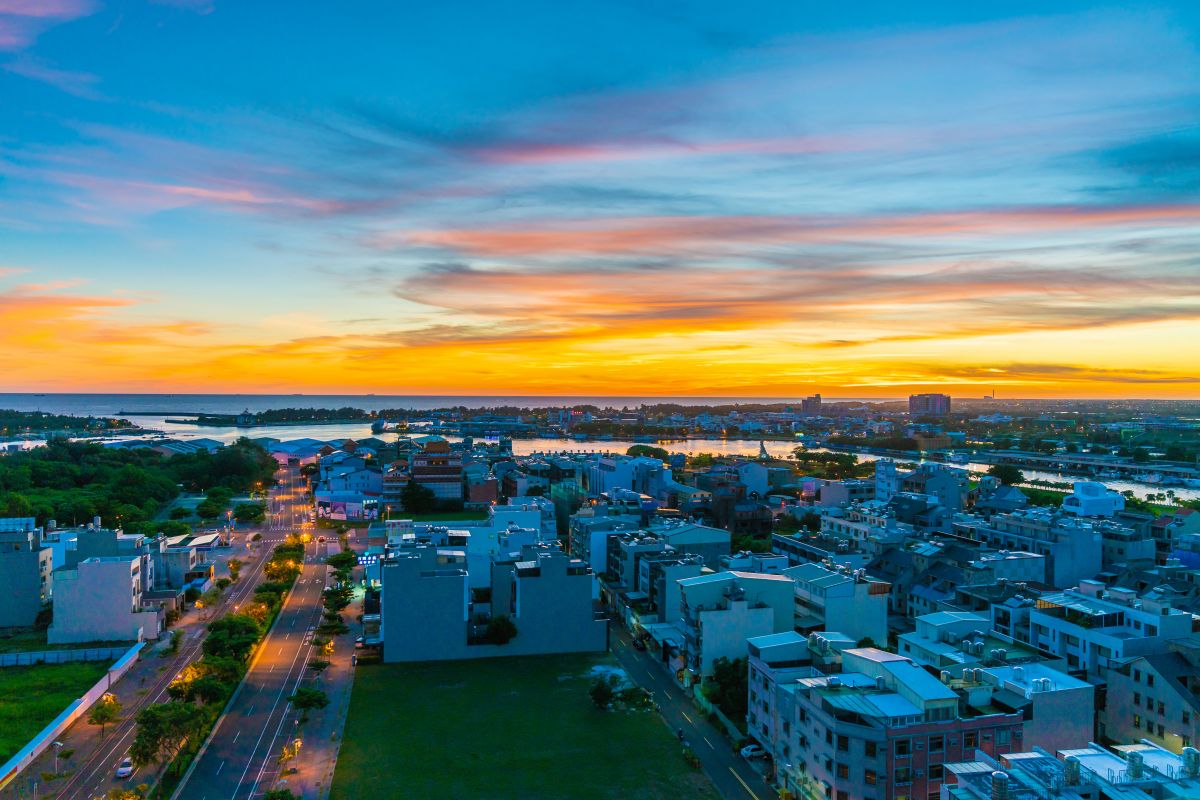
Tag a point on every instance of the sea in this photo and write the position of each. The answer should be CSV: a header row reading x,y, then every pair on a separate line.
x,y
155,412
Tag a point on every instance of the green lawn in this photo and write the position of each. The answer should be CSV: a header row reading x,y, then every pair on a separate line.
x,y
447,516
503,728
31,697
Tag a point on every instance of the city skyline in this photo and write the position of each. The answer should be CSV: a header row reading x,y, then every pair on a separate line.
x,y
601,199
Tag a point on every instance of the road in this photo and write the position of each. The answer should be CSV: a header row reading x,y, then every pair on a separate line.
x,y
241,757
93,776
733,776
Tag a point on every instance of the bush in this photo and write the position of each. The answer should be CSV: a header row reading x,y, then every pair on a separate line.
x,y
500,630
603,691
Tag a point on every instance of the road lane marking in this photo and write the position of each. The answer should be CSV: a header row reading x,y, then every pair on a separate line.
x,y
220,767
239,733
689,719
743,783
707,742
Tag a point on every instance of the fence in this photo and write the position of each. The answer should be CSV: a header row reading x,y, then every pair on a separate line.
x,y
26,755
732,730
62,656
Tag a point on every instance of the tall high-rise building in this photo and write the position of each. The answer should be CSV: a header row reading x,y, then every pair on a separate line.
x,y
929,405
811,405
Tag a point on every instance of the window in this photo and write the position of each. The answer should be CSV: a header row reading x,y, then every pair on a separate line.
x,y
934,794
936,772
843,770
1002,737
1137,675
1160,731
1149,679
1137,698
903,747
871,749
841,795
828,736
843,744
1137,721
1186,741
903,775
937,744
1162,709
869,777
971,739
1187,718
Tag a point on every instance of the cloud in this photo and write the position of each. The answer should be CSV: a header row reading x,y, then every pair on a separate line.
x,y
21,21
80,84
659,234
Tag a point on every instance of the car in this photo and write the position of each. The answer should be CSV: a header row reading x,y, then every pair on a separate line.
x,y
125,768
639,644
360,643
752,752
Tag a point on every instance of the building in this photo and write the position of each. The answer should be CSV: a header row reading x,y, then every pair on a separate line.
x,y
25,572
439,469
1091,499
929,405
1073,547
883,729
1094,629
1140,771
430,613
1156,698
1057,708
100,600
720,611
839,600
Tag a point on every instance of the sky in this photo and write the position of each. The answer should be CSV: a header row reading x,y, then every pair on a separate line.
x,y
623,197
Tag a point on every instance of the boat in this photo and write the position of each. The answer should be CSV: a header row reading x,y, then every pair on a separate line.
x,y
1108,473
1152,477
958,458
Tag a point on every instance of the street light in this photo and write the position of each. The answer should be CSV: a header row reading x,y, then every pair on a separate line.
x,y
58,746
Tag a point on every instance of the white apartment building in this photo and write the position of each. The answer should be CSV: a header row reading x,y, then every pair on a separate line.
x,y
1092,628
839,600
100,600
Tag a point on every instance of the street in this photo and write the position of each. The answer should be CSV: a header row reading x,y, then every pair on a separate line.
x,y
231,767
144,685
733,776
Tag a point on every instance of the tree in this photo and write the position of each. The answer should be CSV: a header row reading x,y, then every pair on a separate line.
x,y
500,630
235,567
105,712
250,513
729,685
163,730
233,636
343,559
280,794
648,451
179,512
1006,474
1141,455
307,699
418,499
602,691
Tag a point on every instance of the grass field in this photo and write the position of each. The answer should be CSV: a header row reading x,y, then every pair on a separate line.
x,y
503,728
31,697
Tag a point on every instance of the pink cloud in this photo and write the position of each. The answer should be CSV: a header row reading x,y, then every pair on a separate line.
x,y
658,234
80,84
22,20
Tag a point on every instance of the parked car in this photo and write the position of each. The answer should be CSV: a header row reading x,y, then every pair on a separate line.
x,y
753,752
125,768
639,644
360,643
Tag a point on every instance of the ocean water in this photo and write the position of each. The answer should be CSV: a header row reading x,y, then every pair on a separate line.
x,y
113,404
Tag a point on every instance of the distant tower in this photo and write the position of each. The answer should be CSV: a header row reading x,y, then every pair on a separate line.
x,y
763,455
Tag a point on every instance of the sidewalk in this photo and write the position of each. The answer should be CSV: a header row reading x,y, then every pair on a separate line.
x,y
94,755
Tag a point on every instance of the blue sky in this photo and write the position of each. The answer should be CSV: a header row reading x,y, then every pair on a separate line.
x,y
770,198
